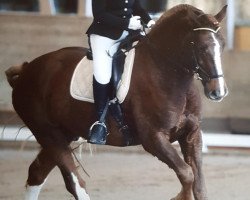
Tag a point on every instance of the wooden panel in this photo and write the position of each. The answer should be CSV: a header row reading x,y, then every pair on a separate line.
x,y
242,38
46,7
81,7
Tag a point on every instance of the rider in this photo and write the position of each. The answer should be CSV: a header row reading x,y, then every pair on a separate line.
x,y
113,20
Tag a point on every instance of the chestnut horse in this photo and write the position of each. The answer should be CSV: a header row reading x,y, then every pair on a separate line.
x,y
163,104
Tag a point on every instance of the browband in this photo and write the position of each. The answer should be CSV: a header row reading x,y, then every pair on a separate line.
x,y
207,29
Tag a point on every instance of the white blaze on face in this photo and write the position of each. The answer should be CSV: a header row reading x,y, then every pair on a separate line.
x,y
32,192
218,64
80,192
217,55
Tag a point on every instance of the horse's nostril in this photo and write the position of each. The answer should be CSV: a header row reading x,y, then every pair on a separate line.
x,y
215,93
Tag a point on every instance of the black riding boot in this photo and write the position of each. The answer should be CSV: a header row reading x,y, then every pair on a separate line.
x,y
116,112
98,131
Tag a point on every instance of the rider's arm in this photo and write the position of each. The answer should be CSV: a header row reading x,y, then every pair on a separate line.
x,y
138,10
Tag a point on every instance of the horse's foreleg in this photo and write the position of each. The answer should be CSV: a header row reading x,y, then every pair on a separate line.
x,y
74,183
191,146
38,171
164,151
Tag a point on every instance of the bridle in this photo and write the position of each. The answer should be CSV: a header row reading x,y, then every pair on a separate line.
x,y
200,73
207,29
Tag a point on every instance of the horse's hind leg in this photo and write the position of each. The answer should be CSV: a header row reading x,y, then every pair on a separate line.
x,y
191,146
50,156
38,171
164,151
74,183
55,152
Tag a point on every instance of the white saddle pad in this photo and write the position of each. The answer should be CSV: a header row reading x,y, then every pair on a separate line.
x,y
81,82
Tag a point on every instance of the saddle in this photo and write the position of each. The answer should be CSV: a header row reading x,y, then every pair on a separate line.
x,y
123,60
119,58
81,82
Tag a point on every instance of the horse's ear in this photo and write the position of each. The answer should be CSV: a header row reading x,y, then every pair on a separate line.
x,y
221,15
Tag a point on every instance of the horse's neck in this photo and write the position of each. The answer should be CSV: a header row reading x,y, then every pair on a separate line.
x,y
177,80
171,67
172,57
166,76
169,35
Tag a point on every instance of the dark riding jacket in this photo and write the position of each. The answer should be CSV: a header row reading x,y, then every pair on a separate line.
x,y
111,17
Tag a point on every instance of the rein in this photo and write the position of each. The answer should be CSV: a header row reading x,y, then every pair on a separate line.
x,y
126,44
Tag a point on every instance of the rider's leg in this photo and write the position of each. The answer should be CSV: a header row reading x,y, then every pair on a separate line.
x,y
103,48
102,64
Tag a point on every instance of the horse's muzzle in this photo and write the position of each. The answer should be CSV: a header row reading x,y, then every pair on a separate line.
x,y
216,89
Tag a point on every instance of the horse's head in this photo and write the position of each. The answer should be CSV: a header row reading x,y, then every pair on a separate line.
x,y
207,44
186,37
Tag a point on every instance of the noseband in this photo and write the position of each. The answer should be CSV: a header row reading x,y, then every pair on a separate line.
x,y
201,74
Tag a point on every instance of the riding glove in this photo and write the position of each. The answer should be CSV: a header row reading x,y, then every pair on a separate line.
x,y
151,23
135,23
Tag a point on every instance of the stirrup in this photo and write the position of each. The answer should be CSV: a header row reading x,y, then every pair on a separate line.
x,y
98,123
98,133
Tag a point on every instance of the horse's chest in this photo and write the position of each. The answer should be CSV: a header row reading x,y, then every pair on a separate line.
x,y
180,124
185,125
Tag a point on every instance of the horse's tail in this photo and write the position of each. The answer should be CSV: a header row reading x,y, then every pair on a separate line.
x,y
13,73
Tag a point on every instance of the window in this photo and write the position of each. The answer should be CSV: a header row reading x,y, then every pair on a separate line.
x,y
66,6
60,6
17,5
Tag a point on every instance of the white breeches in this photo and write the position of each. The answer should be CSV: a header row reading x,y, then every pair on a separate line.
x,y
103,49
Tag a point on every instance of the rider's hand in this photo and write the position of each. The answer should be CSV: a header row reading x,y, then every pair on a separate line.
x,y
151,23
135,23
